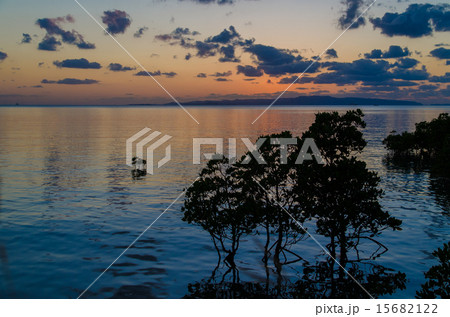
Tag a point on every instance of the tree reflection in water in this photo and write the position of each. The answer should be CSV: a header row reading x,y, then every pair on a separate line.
x,y
440,187
317,282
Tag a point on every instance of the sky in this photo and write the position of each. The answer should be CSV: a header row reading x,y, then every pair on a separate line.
x,y
54,53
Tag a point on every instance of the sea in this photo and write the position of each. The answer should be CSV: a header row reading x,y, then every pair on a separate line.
x,y
70,208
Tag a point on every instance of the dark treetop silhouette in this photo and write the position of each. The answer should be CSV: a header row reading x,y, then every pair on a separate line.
x,y
438,276
427,147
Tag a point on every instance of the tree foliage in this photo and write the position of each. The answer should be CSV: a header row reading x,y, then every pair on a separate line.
x,y
338,136
438,276
342,195
271,188
427,147
216,202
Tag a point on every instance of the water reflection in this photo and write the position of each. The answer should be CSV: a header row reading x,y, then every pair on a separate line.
x,y
6,282
323,281
317,282
139,261
440,188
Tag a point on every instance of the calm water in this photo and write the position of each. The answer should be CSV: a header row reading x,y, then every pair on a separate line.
x,y
69,207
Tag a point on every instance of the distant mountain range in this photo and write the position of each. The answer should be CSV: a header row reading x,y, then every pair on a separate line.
x,y
297,101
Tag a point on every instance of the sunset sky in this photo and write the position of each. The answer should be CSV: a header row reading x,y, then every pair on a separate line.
x,y
53,53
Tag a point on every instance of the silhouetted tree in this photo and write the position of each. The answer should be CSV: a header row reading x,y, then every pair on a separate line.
x,y
216,202
338,136
438,276
427,146
271,188
268,190
342,195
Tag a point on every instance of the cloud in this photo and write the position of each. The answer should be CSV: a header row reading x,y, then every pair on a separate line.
x,y
441,53
163,37
140,32
368,72
206,49
290,80
179,32
52,25
228,53
224,44
53,28
49,43
219,2
292,68
381,88
86,46
331,53
274,61
418,20
201,75
428,87
249,71
394,51
222,79
156,73
116,21
169,74
441,79
353,9
224,74
376,53
26,38
179,35
71,81
391,82
410,74
3,56
270,55
77,63
225,37
183,37
116,67
298,80
406,62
